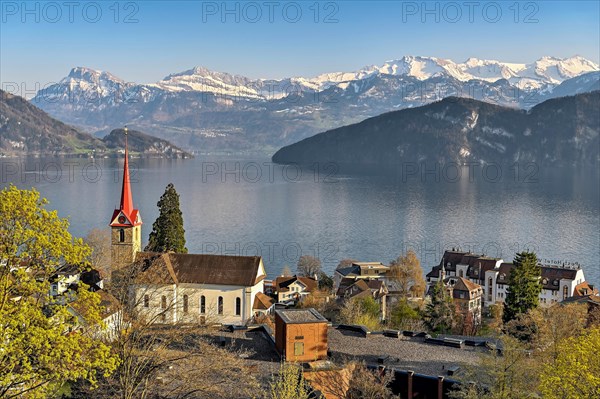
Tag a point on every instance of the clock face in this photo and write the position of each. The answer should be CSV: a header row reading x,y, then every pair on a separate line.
x,y
122,219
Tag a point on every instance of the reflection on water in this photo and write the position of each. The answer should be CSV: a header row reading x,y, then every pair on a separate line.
x,y
252,207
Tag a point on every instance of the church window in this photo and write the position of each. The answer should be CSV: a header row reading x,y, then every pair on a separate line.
x,y
121,235
185,304
220,305
238,306
202,304
146,301
163,302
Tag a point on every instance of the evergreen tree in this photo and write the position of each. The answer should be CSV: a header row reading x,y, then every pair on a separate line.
x,y
168,234
524,286
439,314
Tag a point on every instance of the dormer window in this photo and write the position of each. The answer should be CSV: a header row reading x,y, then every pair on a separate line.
x,y
555,282
502,275
545,281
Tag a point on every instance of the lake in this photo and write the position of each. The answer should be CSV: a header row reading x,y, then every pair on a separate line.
x,y
251,206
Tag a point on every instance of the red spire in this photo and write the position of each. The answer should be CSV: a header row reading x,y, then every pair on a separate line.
x,y
126,198
126,214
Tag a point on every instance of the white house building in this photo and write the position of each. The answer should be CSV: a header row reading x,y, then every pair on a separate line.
x,y
190,288
295,288
492,274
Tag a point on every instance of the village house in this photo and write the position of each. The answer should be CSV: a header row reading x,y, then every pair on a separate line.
x,y
111,317
188,288
350,288
467,297
558,281
360,270
66,276
294,288
263,304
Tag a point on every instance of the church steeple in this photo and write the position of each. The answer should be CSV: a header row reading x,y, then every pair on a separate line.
x,y
126,198
126,223
126,215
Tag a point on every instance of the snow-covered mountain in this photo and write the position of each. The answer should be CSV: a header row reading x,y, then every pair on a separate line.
x,y
200,108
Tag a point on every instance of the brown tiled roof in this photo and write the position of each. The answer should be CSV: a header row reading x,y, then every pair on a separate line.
x,y
464,285
282,283
584,289
262,301
376,284
109,303
199,269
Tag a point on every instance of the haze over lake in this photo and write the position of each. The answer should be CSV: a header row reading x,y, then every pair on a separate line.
x,y
251,206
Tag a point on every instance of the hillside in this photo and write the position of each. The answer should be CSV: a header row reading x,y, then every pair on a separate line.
x,y
142,143
561,131
27,130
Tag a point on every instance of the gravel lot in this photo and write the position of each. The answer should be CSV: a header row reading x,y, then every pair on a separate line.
x,y
412,353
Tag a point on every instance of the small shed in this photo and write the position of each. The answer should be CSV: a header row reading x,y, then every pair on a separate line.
x,y
300,335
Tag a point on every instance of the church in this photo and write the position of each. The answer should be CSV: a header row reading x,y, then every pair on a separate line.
x,y
173,288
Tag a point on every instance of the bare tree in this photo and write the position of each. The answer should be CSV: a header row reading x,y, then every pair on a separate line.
x,y
287,272
99,241
309,266
352,381
407,273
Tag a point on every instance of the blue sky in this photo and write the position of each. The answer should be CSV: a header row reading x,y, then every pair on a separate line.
x,y
146,40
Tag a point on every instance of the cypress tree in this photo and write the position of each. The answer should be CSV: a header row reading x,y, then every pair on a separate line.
x,y
524,286
168,234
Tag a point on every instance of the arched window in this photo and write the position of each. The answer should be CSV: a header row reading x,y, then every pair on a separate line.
x,y
163,302
460,273
121,235
565,292
490,289
146,301
220,305
238,306
185,304
202,304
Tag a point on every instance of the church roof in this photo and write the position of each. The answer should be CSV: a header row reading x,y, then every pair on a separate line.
x,y
172,268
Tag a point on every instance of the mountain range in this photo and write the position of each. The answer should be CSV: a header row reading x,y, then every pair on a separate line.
x,y
27,130
204,111
557,132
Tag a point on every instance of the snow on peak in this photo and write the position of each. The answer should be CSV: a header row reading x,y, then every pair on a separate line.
x,y
92,75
